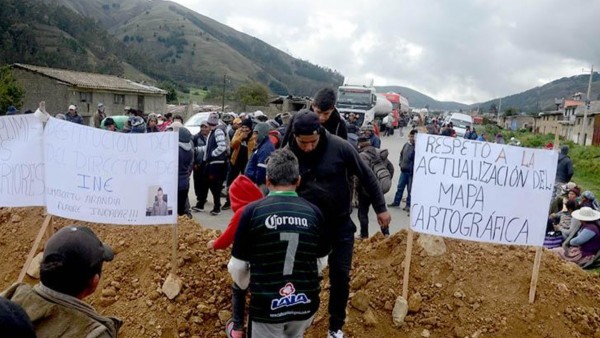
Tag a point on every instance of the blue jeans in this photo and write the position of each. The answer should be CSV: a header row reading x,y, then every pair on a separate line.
x,y
405,181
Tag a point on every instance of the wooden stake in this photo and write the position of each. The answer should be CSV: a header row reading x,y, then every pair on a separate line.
x,y
407,258
535,275
43,231
174,253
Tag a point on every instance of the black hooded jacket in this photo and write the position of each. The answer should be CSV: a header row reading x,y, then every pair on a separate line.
x,y
325,172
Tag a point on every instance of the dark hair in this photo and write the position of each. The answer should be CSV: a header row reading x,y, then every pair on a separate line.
x,y
414,131
109,122
178,117
61,277
159,189
571,205
325,99
282,168
168,115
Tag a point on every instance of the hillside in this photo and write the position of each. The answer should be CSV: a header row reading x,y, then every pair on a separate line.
x,y
420,100
542,98
191,48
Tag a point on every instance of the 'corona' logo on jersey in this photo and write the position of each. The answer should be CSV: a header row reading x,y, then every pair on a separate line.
x,y
273,221
290,298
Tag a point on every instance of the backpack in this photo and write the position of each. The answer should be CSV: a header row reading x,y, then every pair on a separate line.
x,y
379,164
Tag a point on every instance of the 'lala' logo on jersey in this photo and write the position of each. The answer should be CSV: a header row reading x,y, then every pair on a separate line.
x,y
290,298
274,220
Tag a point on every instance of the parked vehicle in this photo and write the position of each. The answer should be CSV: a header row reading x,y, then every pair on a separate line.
x,y
460,122
359,97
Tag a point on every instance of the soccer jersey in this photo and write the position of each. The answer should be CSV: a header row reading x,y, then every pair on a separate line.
x,y
282,236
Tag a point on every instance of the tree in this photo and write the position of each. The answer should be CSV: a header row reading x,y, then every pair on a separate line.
x,y
510,112
11,93
171,91
252,94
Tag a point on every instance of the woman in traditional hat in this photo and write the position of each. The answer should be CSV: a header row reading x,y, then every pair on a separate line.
x,y
583,245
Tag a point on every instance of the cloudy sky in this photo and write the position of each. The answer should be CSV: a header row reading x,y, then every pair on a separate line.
x,y
463,50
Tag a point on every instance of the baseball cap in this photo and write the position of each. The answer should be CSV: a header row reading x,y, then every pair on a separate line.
x,y
77,248
100,104
72,107
306,122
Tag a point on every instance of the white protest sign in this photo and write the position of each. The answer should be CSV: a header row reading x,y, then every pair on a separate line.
x,y
481,191
21,161
108,177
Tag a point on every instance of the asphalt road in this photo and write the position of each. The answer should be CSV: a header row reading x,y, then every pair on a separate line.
x,y
400,218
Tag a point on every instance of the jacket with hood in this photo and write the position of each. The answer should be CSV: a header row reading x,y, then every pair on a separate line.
x,y
55,314
186,159
335,125
257,165
325,173
242,192
564,168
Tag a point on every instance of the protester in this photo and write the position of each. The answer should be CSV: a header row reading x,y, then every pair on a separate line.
x,y
326,163
368,131
215,157
407,162
370,155
481,137
448,130
69,272
72,115
178,118
243,144
564,169
283,282
185,166
98,116
136,125
500,139
14,321
565,221
256,168
109,124
583,245
588,199
274,135
152,124
12,111
324,105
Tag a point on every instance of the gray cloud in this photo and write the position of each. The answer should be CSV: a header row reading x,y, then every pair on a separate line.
x,y
464,50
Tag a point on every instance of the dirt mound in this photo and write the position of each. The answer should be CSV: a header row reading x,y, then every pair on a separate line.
x,y
472,290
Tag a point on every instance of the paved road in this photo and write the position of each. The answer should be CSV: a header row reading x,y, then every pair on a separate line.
x,y
400,218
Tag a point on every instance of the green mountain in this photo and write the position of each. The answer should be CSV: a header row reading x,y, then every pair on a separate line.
x,y
420,100
542,98
183,46
148,39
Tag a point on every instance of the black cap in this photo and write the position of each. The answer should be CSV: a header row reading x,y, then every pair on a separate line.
x,y
14,321
78,248
306,122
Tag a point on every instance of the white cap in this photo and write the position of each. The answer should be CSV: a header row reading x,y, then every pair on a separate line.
x,y
72,107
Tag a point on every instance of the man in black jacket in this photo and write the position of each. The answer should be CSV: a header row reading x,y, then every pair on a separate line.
x,y
326,162
324,105
564,170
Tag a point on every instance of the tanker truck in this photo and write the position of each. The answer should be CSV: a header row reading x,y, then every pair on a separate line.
x,y
359,97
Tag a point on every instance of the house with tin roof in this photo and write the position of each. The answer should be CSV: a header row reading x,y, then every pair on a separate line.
x,y
61,88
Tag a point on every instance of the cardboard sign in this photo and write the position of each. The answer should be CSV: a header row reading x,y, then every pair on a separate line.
x,y
109,177
21,161
481,191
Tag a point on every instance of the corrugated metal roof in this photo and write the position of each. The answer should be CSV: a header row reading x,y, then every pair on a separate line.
x,y
92,80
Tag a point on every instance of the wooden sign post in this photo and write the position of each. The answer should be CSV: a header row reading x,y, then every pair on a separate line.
x,y
43,232
172,285
407,257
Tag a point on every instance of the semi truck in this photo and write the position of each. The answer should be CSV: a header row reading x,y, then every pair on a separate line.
x,y
359,97
399,105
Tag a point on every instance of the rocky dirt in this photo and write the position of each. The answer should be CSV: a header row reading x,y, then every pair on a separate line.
x,y
471,290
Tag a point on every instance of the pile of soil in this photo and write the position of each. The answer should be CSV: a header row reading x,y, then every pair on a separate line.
x,y
473,290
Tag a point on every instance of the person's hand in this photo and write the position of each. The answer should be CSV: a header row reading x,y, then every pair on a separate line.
x,y
384,219
42,106
211,244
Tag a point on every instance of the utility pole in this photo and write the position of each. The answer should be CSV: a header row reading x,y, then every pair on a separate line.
x,y
223,101
587,106
498,112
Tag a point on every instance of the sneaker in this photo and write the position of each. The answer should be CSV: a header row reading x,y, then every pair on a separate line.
x,y
226,206
231,333
215,212
393,205
198,207
338,334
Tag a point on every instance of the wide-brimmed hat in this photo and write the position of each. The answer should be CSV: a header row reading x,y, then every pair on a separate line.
x,y
586,214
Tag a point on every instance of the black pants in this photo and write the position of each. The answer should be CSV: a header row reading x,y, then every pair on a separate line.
x,y
200,185
215,175
238,306
340,263
182,196
234,171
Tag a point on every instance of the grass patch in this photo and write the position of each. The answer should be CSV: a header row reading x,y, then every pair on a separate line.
x,y
196,95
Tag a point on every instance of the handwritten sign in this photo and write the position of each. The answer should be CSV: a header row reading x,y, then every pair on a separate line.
x,y
481,191
109,177
21,161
